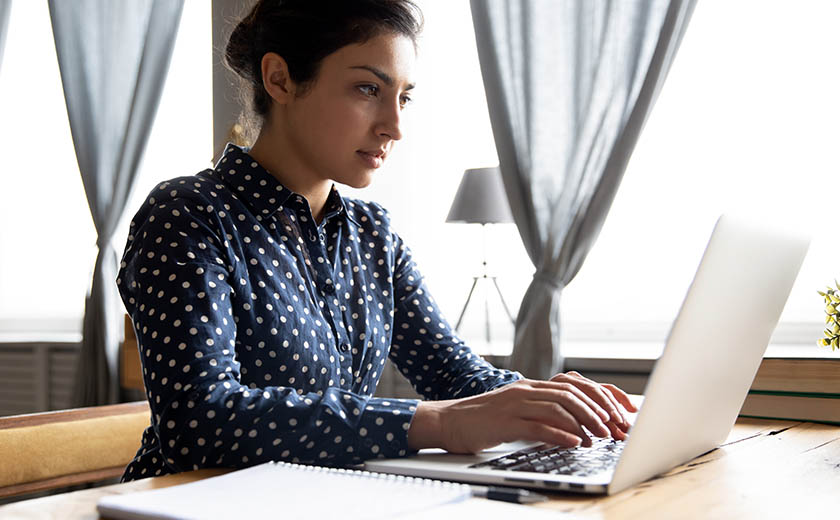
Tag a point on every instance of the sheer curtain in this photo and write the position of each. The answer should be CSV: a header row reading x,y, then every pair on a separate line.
x,y
5,9
569,85
113,57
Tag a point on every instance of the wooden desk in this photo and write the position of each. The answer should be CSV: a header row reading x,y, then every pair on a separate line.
x,y
766,469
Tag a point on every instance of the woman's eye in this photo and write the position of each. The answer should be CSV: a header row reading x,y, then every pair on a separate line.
x,y
369,90
405,100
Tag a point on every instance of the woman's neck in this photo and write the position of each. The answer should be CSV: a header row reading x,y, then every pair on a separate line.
x,y
271,151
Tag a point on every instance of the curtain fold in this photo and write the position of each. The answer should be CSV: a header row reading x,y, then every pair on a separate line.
x,y
113,58
569,85
5,10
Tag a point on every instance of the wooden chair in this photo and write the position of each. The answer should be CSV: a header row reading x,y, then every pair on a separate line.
x,y
50,450
131,372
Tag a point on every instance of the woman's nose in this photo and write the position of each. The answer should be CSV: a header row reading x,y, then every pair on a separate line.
x,y
390,124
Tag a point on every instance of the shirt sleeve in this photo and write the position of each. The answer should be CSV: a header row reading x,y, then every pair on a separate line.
x,y
178,282
426,349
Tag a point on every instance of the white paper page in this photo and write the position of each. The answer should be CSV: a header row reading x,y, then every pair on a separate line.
x,y
279,490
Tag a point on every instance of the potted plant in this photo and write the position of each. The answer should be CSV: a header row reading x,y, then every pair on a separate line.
x,y
832,317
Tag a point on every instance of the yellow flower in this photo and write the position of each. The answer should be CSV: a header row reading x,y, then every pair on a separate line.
x,y
832,317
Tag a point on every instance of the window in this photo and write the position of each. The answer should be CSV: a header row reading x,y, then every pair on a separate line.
x,y
47,239
745,123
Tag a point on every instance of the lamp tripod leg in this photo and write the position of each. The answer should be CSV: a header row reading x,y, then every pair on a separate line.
x,y
469,297
504,304
487,319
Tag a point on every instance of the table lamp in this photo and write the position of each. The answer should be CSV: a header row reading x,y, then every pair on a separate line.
x,y
481,200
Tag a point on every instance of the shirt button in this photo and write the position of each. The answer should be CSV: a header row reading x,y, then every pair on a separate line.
x,y
344,347
329,288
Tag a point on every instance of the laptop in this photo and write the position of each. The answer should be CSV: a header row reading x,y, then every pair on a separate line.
x,y
693,395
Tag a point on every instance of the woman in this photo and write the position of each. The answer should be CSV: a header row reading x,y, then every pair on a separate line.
x,y
265,304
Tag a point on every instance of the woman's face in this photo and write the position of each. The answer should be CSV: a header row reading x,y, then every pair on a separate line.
x,y
346,123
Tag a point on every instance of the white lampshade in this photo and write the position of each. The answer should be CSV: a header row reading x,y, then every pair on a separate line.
x,y
481,198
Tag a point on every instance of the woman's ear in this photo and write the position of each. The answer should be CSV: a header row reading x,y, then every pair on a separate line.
x,y
275,77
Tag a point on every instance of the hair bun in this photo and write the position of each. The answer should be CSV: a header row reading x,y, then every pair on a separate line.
x,y
240,50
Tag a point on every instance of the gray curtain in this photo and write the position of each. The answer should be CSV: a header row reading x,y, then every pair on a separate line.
x,y
113,57
569,85
5,9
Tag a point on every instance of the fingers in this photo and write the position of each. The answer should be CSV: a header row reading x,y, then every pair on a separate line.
x,y
594,392
623,423
622,397
539,432
555,405
597,392
561,416
616,432
615,411
542,386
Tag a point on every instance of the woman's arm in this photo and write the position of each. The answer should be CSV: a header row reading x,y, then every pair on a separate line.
x,y
426,349
476,406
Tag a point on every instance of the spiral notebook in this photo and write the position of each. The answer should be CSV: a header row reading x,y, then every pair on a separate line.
x,y
280,489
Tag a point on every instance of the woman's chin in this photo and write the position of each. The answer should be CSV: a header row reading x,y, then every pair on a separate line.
x,y
360,181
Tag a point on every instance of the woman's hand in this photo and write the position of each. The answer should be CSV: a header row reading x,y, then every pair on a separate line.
x,y
610,397
553,412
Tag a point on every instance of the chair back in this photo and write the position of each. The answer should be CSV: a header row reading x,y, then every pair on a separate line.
x,y
49,450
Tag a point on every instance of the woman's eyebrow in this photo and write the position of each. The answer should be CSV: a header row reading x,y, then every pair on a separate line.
x,y
381,75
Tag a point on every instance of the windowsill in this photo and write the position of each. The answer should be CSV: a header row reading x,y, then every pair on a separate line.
x,y
627,357
634,347
639,357
45,329
17,338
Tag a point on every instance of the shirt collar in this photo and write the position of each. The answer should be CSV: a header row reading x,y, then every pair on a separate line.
x,y
251,182
336,205
261,191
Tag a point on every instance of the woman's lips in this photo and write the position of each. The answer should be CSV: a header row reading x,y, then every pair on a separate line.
x,y
371,160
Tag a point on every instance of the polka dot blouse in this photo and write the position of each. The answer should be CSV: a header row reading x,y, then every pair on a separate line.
x,y
263,334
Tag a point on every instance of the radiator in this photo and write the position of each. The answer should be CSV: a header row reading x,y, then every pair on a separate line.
x,y
36,376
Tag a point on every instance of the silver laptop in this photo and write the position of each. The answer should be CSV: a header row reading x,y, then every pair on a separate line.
x,y
693,395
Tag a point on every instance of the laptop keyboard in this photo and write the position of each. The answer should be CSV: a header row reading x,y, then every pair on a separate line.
x,y
600,457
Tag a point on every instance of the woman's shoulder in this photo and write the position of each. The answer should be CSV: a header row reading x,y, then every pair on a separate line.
x,y
192,189
183,204
191,192
368,214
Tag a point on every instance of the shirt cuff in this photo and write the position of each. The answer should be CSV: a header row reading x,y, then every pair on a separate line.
x,y
383,429
506,377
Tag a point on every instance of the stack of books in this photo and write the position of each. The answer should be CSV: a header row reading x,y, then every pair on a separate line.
x,y
802,389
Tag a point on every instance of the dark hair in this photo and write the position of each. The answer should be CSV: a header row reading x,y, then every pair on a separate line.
x,y
304,32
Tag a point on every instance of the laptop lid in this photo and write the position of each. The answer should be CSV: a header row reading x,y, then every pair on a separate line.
x,y
714,349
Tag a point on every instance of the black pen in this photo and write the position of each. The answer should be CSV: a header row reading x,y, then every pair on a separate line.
x,y
518,496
